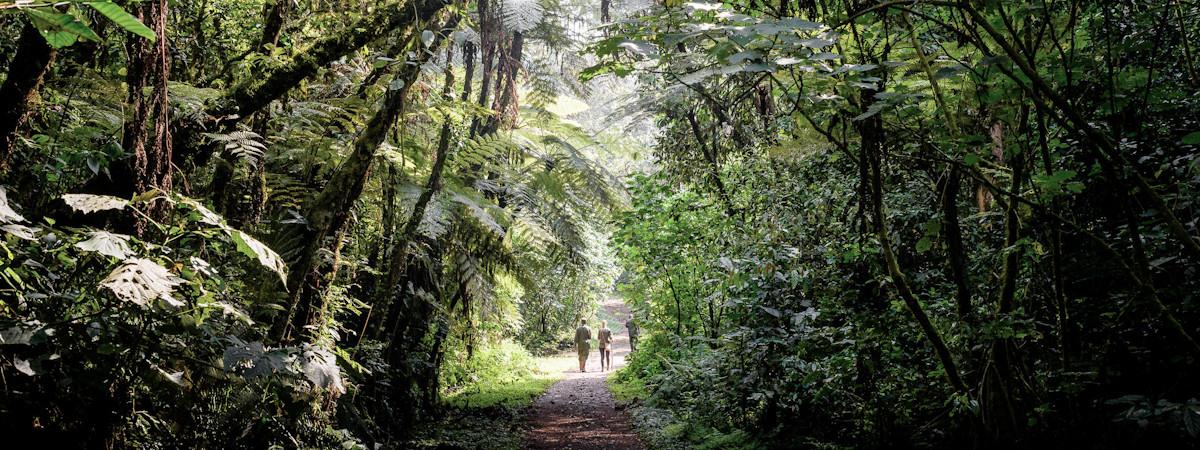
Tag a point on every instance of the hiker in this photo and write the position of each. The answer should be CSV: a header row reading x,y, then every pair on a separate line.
x,y
633,333
604,336
583,337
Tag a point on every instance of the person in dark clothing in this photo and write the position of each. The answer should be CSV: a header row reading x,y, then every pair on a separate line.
x,y
583,338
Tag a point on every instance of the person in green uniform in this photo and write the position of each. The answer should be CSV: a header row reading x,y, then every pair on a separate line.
x,y
633,333
583,337
604,337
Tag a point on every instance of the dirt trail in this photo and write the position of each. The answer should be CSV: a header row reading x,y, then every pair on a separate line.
x,y
579,412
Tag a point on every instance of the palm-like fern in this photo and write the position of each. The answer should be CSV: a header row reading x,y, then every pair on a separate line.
x,y
517,203
245,145
521,15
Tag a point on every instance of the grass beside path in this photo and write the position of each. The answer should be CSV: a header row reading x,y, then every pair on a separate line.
x,y
496,388
516,393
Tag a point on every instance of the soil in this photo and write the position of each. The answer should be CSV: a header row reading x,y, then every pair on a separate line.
x,y
579,412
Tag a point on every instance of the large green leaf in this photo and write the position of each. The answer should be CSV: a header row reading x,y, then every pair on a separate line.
x,y
108,244
246,244
60,29
141,281
123,19
253,248
89,203
7,213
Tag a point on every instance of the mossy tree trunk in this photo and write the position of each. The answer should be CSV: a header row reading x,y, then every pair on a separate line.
x,y
327,213
26,73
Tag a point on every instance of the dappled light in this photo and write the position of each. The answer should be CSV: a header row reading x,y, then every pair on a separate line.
x,y
600,224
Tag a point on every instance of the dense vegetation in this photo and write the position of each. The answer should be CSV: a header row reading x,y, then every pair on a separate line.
x,y
859,223
299,224
920,223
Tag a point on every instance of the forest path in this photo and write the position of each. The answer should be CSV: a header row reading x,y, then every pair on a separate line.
x,y
579,412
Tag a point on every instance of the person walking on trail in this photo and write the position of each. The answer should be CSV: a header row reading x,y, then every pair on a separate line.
x,y
583,338
633,333
604,336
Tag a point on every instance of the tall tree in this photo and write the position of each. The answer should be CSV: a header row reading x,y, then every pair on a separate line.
x,y
28,69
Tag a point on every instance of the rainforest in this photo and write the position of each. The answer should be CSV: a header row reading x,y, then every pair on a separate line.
x,y
600,224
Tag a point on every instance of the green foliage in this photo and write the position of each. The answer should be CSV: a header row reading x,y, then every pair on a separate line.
x,y
627,389
705,438
181,297
184,296
880,226
489,393
62,29
123,19
503,375
470,431
891,224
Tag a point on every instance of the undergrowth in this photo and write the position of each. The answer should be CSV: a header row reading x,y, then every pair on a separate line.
x,y
503,375
660,427
487,397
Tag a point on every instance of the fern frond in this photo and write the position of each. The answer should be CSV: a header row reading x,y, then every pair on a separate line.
x,y
245,145
479,210
521,15
436,220
483,152
542,86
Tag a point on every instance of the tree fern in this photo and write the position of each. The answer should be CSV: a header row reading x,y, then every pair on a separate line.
x,y
479,210
542,86
245,145
521,15
437,218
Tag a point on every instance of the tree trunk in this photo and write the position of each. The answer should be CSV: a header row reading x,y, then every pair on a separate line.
x,y
387,221
506,104
399,251
1103,147
149,66
948,195
999,396
276,16
1061,311
714,168
257,92
26,72
408,326
487,41
871,133
468,69
678,303
328,212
